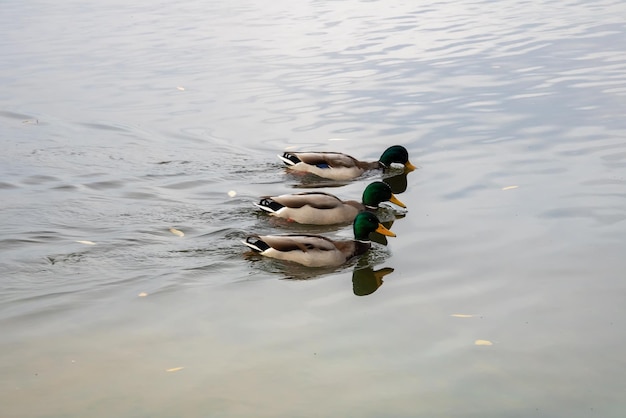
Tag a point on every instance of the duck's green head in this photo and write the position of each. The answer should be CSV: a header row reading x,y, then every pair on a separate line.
x,y
396,154
378,192
365,223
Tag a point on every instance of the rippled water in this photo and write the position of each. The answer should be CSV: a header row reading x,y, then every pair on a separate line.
x,y
122,122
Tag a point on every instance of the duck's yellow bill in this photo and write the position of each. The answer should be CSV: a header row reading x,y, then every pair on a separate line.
x,y
379,274
393,199
408,166
382,230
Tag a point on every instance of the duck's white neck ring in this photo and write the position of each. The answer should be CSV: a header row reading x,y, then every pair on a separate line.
x,y
371,207
364,241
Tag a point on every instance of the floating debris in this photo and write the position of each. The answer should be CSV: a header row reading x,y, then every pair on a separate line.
x,y
142,295
86,242
177,232
180,88
232,193
483,342
510,187
459,315
174,369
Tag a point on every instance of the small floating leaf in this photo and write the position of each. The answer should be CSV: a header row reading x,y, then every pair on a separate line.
x,y
459,315
510,187
86,242
483,342
174,369
232,193
177,232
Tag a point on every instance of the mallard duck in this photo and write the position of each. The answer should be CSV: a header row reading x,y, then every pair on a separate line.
x,y
316,250
319,208
338,166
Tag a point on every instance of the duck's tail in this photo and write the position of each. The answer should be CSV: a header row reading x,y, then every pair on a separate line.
x,y
268,205
256,243
289,158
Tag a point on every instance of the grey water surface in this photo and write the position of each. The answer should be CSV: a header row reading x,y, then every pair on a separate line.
x,y
136,135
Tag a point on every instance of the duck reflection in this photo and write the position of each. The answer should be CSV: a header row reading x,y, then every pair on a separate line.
x,y
366,281
310,181
365,278
397,182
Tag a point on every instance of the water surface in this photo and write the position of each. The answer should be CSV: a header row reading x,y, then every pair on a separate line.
x,y
122,122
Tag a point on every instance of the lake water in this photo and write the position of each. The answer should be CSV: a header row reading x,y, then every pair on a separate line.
x,y
125,122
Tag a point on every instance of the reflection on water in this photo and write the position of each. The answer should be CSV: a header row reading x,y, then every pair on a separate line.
x,y
366,280
397,182
121,121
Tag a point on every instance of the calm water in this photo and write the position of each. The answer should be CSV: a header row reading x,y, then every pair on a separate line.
x,y
121,120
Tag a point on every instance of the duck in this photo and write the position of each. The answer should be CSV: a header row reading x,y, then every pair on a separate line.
x,y
317,250
339,166
319,208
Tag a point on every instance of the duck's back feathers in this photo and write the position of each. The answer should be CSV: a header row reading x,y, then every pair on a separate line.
x,y
317,200
309,250
330,165
320,159
299,242
314,208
